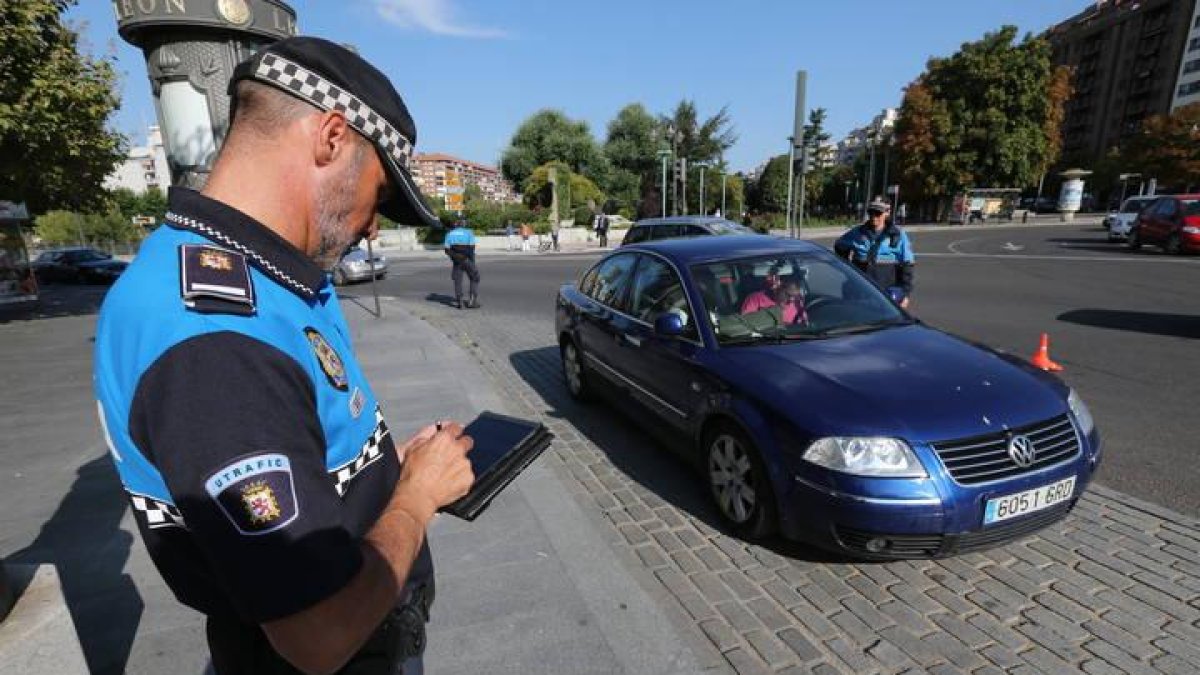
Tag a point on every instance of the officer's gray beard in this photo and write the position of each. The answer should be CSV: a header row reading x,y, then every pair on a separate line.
x,y
335,201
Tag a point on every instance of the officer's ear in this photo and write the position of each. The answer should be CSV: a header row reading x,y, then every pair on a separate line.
x,y
333,138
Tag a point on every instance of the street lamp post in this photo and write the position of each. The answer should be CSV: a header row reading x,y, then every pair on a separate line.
x,y
724,213
702,166
663,155
683,168
791,180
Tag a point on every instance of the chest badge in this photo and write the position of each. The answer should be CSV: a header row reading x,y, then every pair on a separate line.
x,y
331,363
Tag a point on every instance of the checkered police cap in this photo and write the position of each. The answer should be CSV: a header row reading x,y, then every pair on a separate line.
x,y
331,77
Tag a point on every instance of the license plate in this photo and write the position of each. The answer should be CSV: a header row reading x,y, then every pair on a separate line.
x,y
1021,503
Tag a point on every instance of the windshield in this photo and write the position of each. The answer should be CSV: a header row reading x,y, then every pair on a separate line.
x,y
1191,208
795,296
1135,205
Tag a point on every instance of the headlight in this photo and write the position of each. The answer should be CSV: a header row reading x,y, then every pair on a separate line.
x,y
870,456
1082,415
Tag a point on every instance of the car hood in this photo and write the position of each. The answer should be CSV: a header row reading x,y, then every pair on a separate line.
x,y
914,382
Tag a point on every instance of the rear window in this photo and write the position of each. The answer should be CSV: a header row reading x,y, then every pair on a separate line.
x,y
636,234
1135,206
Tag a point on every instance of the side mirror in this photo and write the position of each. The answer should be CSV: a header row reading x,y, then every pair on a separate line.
x,y
668,324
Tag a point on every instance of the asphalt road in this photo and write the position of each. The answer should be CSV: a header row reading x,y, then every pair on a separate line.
x,y
1125,325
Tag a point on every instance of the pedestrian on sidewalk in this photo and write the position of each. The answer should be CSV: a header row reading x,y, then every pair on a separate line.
x,y
262,475
602,230
460,247
526,233
510,235
555,228
881,250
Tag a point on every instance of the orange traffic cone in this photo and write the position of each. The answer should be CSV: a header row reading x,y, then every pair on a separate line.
x,y
1041,358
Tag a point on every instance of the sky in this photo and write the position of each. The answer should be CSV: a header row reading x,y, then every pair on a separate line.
x,y
471,70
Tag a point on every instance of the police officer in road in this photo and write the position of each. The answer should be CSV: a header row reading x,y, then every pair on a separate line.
x,y
263,476
460,246
880,249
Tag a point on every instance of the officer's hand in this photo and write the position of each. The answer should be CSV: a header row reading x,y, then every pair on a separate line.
x,y
904,303
422,436
436,471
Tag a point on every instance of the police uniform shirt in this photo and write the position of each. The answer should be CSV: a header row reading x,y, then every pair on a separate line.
x,y
461,239
253,451
894,257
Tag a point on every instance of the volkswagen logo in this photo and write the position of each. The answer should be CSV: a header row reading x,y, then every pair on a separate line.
x,y
1021,449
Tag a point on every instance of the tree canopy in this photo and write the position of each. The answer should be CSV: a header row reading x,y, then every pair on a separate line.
x,y
547,136
1168,148
55,149
988,115
632,148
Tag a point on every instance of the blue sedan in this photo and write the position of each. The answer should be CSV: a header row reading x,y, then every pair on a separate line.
x,y
816,407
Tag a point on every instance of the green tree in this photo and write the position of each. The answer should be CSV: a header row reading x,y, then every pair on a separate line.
x,y
632,145
151,203
574,190
100,229
55,149
549,136
985,116
771,188
815,136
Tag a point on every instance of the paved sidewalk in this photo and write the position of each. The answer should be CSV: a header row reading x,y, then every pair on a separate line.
x,y
1114,588
530,587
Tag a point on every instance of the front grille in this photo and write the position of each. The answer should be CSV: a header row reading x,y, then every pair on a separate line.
x,y
939,546
971,461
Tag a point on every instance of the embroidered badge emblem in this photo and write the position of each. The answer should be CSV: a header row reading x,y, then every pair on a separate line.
x,y
216,260
357,401
255,493
331,363
259,500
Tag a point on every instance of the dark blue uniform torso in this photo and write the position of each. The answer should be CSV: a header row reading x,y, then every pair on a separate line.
x,y
253,450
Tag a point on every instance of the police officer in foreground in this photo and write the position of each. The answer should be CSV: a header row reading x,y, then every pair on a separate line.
x,y
880,249
460,247
263,477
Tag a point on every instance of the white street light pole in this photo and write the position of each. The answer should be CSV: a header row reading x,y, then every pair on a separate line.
x,y
791,178
702,167
663,155
724,213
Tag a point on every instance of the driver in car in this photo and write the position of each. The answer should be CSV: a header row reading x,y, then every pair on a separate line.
x,y
787,294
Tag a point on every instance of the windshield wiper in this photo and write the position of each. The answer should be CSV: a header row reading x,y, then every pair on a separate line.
x,y
854,329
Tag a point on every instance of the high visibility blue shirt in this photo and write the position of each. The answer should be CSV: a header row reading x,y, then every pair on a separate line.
x,y
886,256
251,446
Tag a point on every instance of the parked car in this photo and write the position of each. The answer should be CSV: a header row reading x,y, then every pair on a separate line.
x,y
653,229
1120,222
80,265
855,427
1172,222
354,266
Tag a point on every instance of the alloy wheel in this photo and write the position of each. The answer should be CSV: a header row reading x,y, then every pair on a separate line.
x,y
731,475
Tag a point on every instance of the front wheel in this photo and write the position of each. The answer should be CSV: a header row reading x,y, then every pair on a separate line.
x,y
1173,246
575,373
1135,240
739,485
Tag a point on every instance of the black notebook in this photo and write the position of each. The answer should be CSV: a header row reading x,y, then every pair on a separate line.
x,y
504,446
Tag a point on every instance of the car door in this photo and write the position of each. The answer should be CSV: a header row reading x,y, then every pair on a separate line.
x,y
661,370
1160,221
601,319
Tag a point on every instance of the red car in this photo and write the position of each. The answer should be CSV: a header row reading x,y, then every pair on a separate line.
x,y
1172,222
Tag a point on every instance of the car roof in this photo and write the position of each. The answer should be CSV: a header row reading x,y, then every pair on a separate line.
x,y
692,250
686,220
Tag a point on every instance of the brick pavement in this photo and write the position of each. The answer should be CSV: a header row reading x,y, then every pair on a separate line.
x,y
1113,588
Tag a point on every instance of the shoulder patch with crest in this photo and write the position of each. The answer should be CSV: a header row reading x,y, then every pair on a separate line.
x,y
256,493
215,280
331,363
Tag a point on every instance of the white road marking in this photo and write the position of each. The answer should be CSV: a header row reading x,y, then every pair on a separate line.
x,y
953,246
1026,256
1009,246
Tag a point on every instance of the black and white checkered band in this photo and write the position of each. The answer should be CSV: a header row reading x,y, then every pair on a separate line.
x,y
328,96
370,452
156,513
216,235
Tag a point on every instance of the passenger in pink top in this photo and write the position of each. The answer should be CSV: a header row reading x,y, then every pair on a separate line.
x,y
788,296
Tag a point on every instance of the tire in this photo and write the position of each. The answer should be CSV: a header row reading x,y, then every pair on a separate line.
x,y
1135,240
339,277
575,374
738,483
1173,246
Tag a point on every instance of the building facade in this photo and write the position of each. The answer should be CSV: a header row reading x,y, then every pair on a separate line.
x,y
1187,85
144,167
1126,57
847,150
435,174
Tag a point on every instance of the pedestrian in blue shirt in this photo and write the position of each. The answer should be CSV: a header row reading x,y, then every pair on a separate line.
x,y
882,251
460,247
